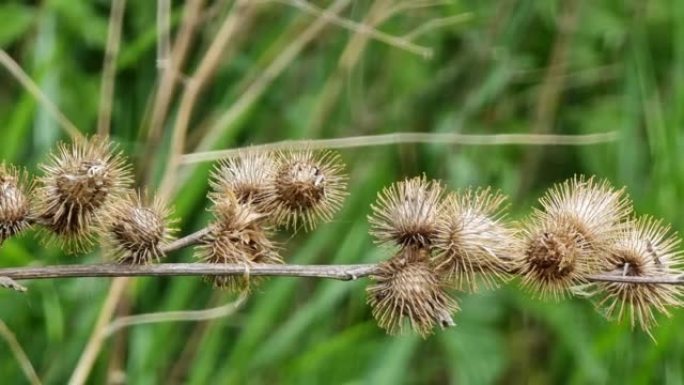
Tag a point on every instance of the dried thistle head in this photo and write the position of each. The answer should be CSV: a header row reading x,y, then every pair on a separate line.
x,y
644,248
310,187
569,239
250,177
237,236
408,291
473,240
406,213
15,205
136,229
81,181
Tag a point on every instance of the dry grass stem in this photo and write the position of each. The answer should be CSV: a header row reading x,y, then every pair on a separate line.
x,y
104,117
19,354
413,137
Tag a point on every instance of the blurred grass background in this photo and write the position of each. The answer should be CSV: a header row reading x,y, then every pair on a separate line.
x,y
510,66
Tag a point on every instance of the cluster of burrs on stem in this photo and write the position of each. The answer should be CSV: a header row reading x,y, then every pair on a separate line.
x,y
441,241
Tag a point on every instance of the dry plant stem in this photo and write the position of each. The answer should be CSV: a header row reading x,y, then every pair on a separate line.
x,y
92,349
175,316
194,86
415,137
163,33
32,88
259,86
171,70
359,28
109,67
339,272
19,354
433,24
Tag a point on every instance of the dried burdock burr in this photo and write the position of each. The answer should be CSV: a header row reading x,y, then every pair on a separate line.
x,y
80,182
137,228
250,177
406,213
407,292
570,237
237,236
644,248
15,204
310,187
472,240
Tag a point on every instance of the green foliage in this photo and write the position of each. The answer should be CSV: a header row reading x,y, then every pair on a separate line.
x,y
623,65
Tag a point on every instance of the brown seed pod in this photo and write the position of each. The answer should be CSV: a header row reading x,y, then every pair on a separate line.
x,y
136,230
250,177
472,239
407,291
81,181
406,213
570,238
237,236
644,248
310,187
15,205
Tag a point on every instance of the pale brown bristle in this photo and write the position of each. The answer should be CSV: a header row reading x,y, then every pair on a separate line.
x,y
472,240
310,187
250,177
15,204
569,239
136,230
644,248
237,236
407,291
405,213
79,183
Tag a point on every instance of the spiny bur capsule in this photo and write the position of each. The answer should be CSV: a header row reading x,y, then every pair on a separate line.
x,y
407,291
80,182
250,177
310,187
406,213
472,239
569,239
238,236
644,248
136,230
15,204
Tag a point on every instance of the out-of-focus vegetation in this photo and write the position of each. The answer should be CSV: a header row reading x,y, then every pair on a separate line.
x,y
511,66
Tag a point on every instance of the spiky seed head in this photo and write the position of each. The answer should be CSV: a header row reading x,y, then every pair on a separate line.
x,y
80,182
569,239
406,213
250,177
136,228
310,187
472,239
644,248
238,236
15,205
407,291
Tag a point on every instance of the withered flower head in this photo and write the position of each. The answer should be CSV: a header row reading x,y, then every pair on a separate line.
x,y
406,213
250,177
310,187
569,239
237,236
408,291
473,240
15,205
644,248
136,230
81,181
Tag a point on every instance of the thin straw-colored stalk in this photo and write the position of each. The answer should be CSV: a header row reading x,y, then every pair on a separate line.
x,y
33,89
19,354
109,66
415,137
261,84
163,33
94,345
433,24
239,13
